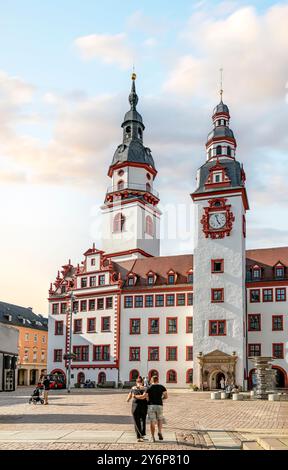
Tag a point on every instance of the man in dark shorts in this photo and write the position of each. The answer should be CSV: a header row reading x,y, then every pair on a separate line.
x,y
155,394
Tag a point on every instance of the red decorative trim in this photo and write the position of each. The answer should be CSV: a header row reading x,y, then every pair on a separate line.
x,y
271,283
167,326
58,371
221,139
242,191
131,374
208,211
130,326
130,353
213,261
168,381
282,322
149,326
156,289
225,180
150,350
282,350
168,349
94,366
129,252
250,315
213,291
284,373
117,166
218,323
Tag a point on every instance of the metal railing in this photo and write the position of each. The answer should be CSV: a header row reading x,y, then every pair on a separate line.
x,y
139,187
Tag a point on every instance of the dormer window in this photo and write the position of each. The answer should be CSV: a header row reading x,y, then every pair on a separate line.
x,y
279,272
171,278
217,177
256,272
150,280
190,278
131,279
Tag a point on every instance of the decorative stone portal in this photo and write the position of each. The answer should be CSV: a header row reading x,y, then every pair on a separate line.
x,y
215,366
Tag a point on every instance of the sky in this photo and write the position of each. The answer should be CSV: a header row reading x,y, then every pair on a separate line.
x,y
65,70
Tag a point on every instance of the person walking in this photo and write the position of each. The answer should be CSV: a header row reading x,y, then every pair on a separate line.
x,y
46,384
139,408
156,393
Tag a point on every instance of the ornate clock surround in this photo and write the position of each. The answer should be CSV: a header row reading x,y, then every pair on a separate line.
x,y
217,205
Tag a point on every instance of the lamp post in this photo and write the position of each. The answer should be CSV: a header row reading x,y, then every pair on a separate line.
x,y
69,356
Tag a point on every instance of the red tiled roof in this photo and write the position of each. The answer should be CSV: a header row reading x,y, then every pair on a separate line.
x,y
268,256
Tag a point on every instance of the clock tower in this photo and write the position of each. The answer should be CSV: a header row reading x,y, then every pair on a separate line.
x,y
219,343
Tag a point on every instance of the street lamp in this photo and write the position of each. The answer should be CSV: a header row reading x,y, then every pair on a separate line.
x,y
70,355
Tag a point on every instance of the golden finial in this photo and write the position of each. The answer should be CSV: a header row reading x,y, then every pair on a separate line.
x,y
221,83
133,76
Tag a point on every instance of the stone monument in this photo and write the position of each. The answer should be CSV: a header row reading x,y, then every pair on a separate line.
x,y
265,376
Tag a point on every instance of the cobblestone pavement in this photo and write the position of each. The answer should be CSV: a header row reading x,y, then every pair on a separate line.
x,y
192,416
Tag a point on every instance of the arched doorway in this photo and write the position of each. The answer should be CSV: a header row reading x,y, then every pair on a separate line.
x,y
134,374
81,378
101,378
216,379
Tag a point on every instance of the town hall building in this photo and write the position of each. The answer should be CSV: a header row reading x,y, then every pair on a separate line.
x,y
190,319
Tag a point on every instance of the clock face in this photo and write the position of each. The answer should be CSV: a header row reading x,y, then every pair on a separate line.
x,y
217,220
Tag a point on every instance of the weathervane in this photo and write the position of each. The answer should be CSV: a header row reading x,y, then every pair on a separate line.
x,y
221,83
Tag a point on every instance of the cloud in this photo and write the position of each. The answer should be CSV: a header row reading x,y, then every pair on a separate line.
x,y
110,48
146,24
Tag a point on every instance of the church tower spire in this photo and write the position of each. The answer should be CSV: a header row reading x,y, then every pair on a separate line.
x,y
130,213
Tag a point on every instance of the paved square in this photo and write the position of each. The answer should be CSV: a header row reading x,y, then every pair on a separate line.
x,y
101,419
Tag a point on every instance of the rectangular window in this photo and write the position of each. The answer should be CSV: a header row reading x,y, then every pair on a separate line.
x,y
217,327
83,305
35,338
267,295
135,326
280,294
149,300
109,302
279,272
100,304
153,326
57,355
256,272
78,326
134,353
138,301
160,300
171,325
59,328
189,353
83,282
254,322
171,279
131,281
277,322
189,324
75,306
92,304
170,300
217,295
190,298
153,353
63,308
43,339
63,289
128,301
105,324
254,350
93,281
171,353
150,280
101,353
278,350
27,336
180,299
217,265
91,325
102,280
55,309
93,261
254,295
82,353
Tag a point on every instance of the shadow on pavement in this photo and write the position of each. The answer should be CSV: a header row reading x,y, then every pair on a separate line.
x,y
65,418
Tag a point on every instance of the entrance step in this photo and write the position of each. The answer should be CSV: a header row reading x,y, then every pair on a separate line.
x,y
252,445
273,443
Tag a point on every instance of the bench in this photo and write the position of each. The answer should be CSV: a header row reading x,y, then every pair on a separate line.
x,y
129,384
108,384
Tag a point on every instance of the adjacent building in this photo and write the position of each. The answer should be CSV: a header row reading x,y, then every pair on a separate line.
x,y
32,341
8,358
191,319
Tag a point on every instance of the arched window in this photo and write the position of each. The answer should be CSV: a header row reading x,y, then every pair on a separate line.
x,y
81,378
218,150
171,377
133,375
148,187
120,185
229,151
101,378
128,131
149,228
210,153
139,132
118,223
189,376
152,373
